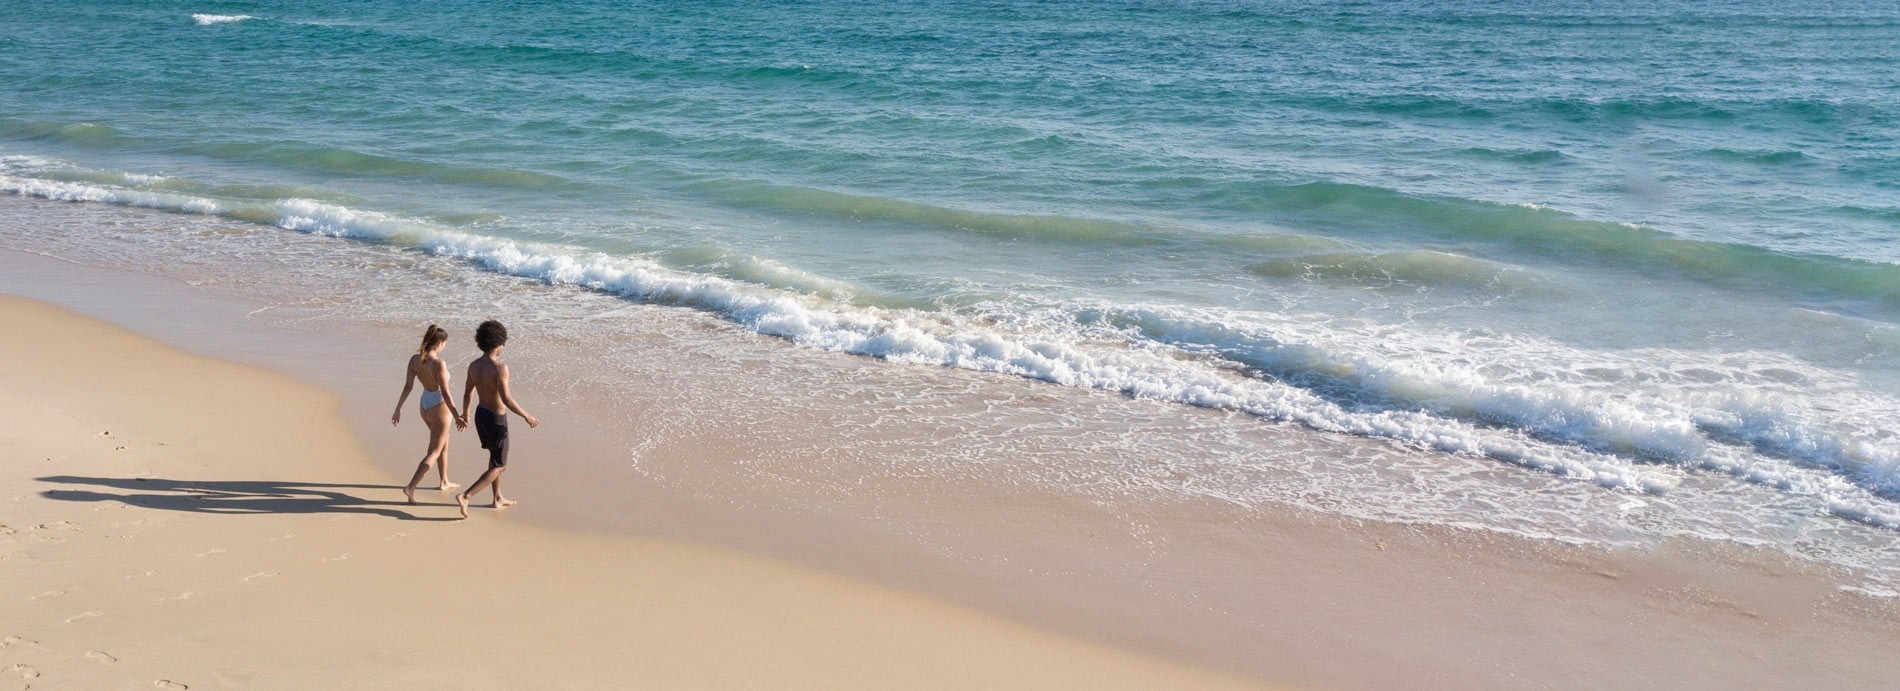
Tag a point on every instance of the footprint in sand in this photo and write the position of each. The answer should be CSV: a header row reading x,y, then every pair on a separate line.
x,y
100,656
260,574
397,536
84,615
181,596
339,557
214,550
10,641
284,536
169,685
56,525
8,530
47,594
23,671
141,575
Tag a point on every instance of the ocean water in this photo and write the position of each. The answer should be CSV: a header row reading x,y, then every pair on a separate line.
x,y
1595,272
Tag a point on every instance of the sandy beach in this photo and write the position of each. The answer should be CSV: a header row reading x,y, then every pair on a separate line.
x,y
1312,344
166,527
173,521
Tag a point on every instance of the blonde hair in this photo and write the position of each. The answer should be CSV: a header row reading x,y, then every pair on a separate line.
x,y
431,338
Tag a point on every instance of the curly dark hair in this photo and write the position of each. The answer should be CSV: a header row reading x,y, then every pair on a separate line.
x,y
491,335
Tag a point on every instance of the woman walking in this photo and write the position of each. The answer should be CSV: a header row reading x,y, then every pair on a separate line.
x,y
438,410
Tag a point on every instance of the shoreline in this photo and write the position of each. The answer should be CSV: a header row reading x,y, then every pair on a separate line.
x,y
1301,599
165,549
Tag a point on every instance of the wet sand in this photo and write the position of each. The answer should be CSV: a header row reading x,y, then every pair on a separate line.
x,y
1289,597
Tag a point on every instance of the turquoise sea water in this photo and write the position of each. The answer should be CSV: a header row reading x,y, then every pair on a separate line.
x,y
1654,250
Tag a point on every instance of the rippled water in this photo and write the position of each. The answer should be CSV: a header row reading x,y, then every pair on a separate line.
x,y
1652,251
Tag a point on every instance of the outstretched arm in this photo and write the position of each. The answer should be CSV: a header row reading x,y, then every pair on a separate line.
x,y
508,398
408,382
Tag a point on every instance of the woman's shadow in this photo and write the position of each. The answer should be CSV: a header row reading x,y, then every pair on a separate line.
x,y
230,496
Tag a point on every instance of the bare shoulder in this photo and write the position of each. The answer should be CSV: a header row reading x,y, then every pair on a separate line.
x,y
414,360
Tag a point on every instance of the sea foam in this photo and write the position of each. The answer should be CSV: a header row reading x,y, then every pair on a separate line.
x,y
1324,377
212,19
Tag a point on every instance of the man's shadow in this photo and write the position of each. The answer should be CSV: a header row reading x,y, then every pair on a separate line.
x,y
230,496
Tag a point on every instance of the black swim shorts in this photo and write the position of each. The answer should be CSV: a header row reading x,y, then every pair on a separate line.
x,y
493,431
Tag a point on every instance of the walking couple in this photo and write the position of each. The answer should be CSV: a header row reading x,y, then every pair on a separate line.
x,y
488,378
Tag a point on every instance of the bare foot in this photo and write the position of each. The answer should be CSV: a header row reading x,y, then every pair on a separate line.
x,y
502,503
410,492
461,500
446,486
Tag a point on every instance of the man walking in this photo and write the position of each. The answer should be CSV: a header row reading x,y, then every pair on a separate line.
x,y
488,377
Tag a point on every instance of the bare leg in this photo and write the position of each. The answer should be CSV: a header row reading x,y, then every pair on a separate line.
x,y
442,459
501,502
492,477
409,490
443,468
438,447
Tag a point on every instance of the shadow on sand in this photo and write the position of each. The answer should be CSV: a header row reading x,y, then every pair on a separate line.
x,y
232,496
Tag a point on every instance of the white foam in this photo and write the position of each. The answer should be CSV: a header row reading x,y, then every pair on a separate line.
x,y
25,164
1430,390
1767,418
80,192
932,339
212,19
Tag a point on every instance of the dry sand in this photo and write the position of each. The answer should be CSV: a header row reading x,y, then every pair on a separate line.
x,y
171,521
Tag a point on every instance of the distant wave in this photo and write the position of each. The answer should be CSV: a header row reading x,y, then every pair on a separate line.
x,y
1550,407
211,19
1404,105
1890,214
76,132
1759,157
1414,267
345,161
1346,208
292,153
1576,109
1517,156
865,207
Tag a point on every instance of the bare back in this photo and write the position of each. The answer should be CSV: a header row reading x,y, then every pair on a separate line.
x,y
431,371
489,377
